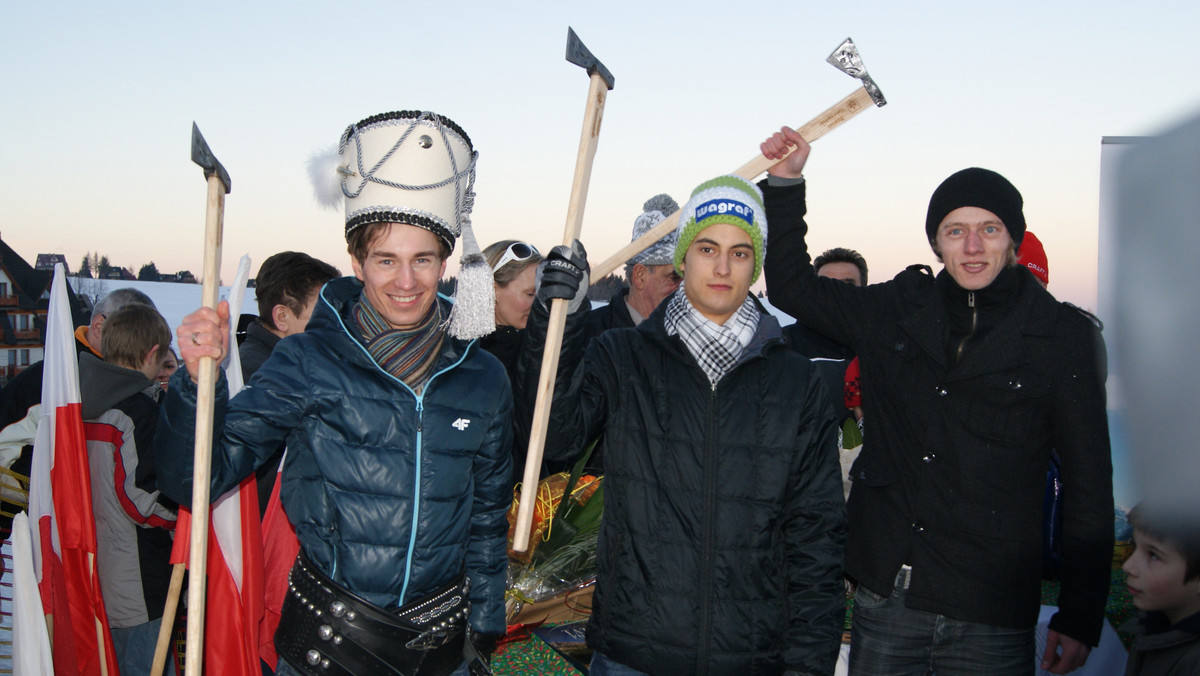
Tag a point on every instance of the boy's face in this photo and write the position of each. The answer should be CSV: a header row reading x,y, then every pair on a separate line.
x,y
1156,571
717,271
973,244
289,323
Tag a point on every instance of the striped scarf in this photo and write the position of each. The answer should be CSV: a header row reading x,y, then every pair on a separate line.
x,y
716,347
408,355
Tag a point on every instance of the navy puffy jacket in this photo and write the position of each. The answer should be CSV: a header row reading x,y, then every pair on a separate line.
x,y
392,494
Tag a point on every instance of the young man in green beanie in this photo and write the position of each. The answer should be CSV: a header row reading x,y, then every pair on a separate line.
x,y
721,545
969,379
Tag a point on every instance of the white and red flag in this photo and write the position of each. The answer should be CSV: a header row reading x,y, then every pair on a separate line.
x,y
63,528
234,598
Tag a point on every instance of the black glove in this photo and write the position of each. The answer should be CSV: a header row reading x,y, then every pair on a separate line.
x,y
485,644
477,652
565,275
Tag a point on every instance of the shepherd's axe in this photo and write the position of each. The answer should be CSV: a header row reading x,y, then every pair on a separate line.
x,y
846,59
218,186
601,82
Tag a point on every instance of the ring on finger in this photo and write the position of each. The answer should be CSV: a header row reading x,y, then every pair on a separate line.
x,y
194,341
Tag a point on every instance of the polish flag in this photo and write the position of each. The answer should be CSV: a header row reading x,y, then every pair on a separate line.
x,y
280,548
234,598
63,529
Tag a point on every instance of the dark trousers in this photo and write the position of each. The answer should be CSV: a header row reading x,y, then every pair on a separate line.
x,y
889,639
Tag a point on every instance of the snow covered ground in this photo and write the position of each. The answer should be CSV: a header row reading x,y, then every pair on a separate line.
x,y
174,301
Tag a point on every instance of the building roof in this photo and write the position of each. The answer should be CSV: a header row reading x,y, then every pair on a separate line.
x,y
47,261
31,286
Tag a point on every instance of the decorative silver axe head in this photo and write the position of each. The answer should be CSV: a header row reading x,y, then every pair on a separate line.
x,y
579,55
846,59
203,156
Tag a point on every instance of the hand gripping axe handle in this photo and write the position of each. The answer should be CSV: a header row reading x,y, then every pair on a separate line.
x,y
846,59
601,82
218,186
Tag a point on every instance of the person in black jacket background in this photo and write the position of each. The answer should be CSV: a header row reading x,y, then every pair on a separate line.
x,y
969,379
285,289
720,550
514,266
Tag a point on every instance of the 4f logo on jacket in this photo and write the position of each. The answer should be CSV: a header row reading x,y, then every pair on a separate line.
x,y
460,424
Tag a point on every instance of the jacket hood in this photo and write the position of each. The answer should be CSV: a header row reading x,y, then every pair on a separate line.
x,y
103,385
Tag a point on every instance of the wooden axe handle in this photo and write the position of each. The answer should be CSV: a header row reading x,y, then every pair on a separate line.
x,y
163,648
205,397
814,129
592,118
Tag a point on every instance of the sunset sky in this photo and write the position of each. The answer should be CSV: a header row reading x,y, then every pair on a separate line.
x,y
98,103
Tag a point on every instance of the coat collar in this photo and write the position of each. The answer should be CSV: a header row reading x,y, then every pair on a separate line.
x,y
768,334
1032,313
334,313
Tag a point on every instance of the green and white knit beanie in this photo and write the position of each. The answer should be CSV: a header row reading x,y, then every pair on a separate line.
x,y
724,199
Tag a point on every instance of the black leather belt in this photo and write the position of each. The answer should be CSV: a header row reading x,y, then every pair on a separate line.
x,y
325,629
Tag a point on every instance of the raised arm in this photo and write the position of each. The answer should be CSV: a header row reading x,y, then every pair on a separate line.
x,y
246,430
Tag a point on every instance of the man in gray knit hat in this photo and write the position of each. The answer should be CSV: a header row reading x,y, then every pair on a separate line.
x,y
651,274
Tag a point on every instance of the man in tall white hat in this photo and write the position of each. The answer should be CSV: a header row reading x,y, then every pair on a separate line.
x,y
398,432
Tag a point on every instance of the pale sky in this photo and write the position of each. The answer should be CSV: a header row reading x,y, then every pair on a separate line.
x,y
98,102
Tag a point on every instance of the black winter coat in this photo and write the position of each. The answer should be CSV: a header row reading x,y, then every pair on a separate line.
x,y
721,545
615,315
951,477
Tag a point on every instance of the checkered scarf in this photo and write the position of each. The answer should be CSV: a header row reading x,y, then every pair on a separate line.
x,y
408,355
715,347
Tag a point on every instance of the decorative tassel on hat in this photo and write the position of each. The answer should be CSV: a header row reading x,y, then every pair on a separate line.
x,y
474,312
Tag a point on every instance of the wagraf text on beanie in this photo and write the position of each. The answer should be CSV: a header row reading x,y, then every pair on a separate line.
x,y
655,211
1032,255
981,188
725,199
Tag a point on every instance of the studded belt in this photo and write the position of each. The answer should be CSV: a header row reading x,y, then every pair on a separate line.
x,y
325,629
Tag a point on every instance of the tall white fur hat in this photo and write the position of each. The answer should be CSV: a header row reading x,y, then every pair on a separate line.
x,y
416,168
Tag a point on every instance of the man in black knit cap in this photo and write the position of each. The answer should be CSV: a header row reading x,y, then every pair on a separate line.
x,y
970,378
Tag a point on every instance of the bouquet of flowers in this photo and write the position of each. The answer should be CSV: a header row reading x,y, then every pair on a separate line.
x,y
562,550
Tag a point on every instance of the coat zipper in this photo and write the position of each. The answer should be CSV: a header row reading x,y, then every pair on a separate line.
x,y
412,535
970,332
710,500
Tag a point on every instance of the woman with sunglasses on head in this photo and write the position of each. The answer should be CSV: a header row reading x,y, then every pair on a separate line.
x,y
514,274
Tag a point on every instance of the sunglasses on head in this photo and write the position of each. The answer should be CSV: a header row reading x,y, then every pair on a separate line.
x,y
516,252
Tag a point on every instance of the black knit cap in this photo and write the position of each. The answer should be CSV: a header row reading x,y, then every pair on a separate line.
x,y
981,188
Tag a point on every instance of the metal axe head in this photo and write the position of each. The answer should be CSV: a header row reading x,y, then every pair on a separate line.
x,y
203,156
846,59
579,55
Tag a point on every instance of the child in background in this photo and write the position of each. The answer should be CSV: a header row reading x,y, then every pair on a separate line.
x,y
133,526
1164,579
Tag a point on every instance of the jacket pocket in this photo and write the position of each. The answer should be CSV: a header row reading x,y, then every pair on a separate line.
x,y
1008,407
1004,524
